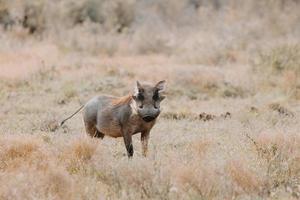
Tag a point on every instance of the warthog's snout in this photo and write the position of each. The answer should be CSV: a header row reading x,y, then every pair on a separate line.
x,y
148,118
148,113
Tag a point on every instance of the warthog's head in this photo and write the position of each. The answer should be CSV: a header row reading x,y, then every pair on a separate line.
x,y
147,100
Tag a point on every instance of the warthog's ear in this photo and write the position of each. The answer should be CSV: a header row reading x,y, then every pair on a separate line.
x,y
161,97
160,85
138,87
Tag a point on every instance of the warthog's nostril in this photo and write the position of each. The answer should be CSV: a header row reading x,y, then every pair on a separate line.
x,y
148,118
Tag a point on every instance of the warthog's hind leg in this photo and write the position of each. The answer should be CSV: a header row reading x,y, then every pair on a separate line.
x,y
98,134
92,131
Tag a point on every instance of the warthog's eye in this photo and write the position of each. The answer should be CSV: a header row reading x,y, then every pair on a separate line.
x,y
140,97
155,96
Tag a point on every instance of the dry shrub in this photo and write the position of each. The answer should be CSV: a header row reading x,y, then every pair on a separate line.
x,y
280,155
29,15
280,59
43,16
59,183
270,142
138,178
54,183
34,18
22,151
197,181
244,178
84,150
32,169
280,67
114,16
6,19
169,11
139,175
79,153
197,178
119,15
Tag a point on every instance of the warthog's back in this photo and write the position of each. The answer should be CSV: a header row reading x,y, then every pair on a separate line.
x,y
102,113
93,105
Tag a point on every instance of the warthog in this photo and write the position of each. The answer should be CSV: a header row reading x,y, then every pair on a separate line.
x,y
124,116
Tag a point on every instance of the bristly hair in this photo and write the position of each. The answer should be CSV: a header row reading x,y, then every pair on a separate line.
x,y
122,100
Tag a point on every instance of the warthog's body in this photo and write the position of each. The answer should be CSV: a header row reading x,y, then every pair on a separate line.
x,y
108,115
124,116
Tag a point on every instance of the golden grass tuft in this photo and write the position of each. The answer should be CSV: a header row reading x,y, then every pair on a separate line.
x,y
279,154
59,183
197,181
52,184
244,178
84,149
20,152
78,154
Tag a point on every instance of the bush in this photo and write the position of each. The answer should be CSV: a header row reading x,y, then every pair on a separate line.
x,y
5,17
280,67
112,15
280,59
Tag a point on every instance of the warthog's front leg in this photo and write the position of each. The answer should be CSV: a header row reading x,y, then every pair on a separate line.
x,y
128,143
144,140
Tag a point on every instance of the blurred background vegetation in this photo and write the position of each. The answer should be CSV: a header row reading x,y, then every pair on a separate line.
x,y
262,35
204,31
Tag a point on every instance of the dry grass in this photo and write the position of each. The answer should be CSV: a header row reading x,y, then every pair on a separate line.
x,y
245,180
229,128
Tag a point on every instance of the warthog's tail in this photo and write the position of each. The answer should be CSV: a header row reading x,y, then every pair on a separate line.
x,y
63,121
